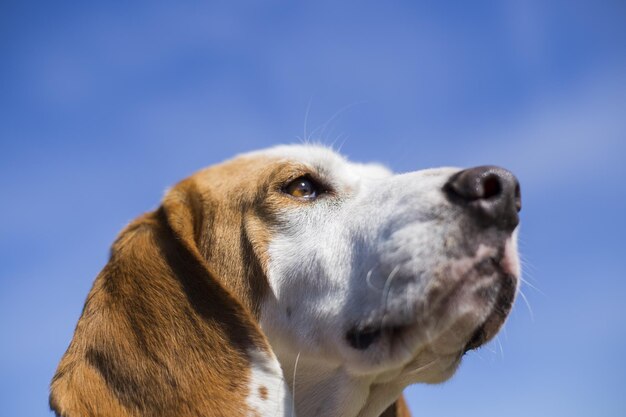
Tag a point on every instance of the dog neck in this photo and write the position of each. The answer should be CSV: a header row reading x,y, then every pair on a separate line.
x,y
323,389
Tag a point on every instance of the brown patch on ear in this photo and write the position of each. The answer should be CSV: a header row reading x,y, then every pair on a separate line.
x,y
263,393
255,241
160,334
240,197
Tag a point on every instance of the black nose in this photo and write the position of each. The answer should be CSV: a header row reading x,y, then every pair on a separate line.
x,y
491,194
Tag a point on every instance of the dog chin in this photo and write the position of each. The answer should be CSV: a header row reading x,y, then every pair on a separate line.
x,y
466,306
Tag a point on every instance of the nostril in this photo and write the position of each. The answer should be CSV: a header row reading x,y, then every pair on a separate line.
x,y
491,187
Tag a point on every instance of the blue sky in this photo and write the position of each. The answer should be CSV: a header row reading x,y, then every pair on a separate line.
x,y
104,106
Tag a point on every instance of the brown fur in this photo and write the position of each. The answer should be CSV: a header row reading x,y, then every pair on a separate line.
x,y
166,328
397,409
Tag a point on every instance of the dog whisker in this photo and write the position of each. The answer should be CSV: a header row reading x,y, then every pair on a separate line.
x,y
293,390
386,290
530,310
368,280
528,284
500,346
489,349
306,117
338,113
343,141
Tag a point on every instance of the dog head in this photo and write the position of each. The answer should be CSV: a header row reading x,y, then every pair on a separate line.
x,y
373,278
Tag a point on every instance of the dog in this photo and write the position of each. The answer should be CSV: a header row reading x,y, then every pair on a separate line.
x,y
291,281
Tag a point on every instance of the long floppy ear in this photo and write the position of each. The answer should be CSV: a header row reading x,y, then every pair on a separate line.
x,y
159,335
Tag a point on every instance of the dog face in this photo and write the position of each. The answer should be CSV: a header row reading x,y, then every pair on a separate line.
x,y
383,274
294,259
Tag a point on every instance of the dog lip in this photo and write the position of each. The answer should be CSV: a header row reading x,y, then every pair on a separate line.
x,y
477,339
496,318
363,335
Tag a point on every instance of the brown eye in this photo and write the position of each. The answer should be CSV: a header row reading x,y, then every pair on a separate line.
x,y
302,188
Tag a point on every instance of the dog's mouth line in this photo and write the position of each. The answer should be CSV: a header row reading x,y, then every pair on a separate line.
x,y
490,326
477,340
362,336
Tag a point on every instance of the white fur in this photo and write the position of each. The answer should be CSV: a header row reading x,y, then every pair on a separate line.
x,y
266,375
376,250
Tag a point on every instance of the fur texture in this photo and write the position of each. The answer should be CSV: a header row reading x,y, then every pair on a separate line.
x,y
235,298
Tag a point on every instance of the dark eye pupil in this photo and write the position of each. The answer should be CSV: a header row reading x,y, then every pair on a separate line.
x,y
302,188
305,187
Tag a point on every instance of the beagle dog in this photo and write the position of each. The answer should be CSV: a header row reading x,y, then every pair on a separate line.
x,y
292,282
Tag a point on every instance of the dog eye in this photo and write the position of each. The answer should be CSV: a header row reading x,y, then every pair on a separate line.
x,y
302,188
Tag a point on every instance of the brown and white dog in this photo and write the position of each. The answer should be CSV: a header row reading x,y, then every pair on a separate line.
x,y
293,282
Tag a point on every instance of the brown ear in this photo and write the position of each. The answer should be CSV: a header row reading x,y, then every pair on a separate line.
x,y
159,335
